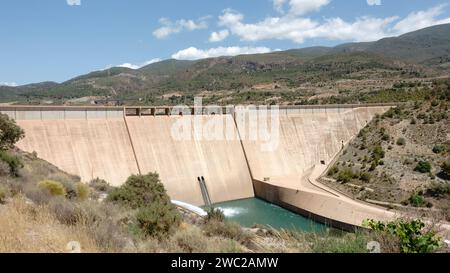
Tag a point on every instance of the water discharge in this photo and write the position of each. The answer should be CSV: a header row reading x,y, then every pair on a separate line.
x,y
252,211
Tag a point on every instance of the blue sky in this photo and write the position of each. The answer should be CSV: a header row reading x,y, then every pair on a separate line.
x,y
59,39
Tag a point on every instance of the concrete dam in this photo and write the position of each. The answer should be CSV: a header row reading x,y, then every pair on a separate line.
x,y
232,162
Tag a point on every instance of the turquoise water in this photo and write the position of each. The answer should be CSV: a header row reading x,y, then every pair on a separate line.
x,y
249,212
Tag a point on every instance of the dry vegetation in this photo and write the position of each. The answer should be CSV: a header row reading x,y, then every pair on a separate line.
x,y
399,157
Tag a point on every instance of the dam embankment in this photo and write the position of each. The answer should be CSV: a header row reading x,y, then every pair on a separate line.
x,y
114,142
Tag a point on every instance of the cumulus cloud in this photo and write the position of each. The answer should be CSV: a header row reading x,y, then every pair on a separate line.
x,y
421,19
374,2
135,66
219,36
193,53
301,7
299,28
10,84
169,27
73,2
278,5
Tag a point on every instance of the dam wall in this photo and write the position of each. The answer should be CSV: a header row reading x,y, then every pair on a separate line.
x,y
115,142
309,141
180,161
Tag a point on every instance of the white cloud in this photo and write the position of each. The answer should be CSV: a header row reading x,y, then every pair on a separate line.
x,y
73,2
168,27
374,2
278,5
298,28
421,19
135,66
10,84
193,53
301,7
219,36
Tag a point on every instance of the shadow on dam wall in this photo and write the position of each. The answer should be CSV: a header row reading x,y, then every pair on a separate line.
x,y
112,144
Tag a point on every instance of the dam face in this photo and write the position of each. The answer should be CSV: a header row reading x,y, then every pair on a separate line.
x,y
112,144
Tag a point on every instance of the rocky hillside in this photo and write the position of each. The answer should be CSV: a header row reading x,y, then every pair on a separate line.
x,y
402,158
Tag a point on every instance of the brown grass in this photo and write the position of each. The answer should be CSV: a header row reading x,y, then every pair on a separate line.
x,y
33,229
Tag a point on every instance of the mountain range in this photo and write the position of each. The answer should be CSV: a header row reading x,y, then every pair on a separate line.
x,y
422,53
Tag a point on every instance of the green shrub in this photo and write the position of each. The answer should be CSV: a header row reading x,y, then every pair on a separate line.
x,y
215,214
417,200
346,175
100,185
13,162
378,153
140,191
401,141
438,149
439,189
158,219
411,235
423,167
53,187
10,132
83,191
364,176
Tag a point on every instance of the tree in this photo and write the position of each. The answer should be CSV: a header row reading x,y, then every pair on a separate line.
x,y
10,132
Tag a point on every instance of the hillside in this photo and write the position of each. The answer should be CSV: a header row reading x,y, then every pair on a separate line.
x,y
399,160
420,54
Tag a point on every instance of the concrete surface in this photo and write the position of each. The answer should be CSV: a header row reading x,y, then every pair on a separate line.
x,y
179,163
89,148
287,176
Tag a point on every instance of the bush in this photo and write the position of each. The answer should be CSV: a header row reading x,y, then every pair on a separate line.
x,y
140,191
4,169
445,169
65,211
215,214
191,240
411,235
3,194
378,153
83,191
438,149
423,167
439,189
158,219
346,175
13,162
227,229
401,142
417,200
10,133
53,187
364,176
100,185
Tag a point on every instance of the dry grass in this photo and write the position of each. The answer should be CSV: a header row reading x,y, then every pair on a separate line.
x,y
33,229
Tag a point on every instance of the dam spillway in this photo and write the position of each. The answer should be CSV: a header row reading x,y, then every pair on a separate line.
x,y
113,143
